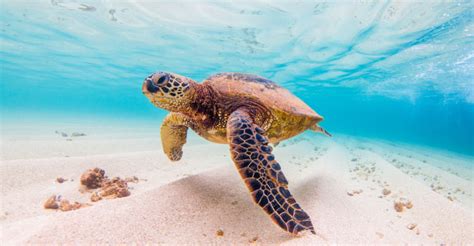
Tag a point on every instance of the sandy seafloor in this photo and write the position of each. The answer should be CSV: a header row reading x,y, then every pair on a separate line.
x,y
338,181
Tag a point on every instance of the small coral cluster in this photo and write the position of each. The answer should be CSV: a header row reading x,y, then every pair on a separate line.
x,y
111,188
56,202
107,188
401,203
93,178
101,186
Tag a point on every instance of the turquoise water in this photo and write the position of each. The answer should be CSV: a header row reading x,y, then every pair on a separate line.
x,y
400,71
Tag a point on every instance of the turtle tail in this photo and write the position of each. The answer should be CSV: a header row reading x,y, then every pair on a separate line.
x,y
317,128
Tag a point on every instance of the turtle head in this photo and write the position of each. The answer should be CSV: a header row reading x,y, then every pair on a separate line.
x,y
168,91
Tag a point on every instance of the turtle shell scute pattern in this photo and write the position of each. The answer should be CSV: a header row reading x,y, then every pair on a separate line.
x,y
247,78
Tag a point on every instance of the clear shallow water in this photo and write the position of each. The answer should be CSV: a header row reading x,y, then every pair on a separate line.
x,y
393,70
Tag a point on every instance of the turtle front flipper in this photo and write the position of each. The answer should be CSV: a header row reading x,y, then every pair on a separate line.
x,y
262,173
173,135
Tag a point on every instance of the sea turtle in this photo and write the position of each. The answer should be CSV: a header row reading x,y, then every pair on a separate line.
x,y
247,112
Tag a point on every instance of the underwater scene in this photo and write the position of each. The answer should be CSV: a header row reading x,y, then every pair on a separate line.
x,y
237,122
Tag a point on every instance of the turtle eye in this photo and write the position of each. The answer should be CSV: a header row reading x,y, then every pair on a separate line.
x,y
160,79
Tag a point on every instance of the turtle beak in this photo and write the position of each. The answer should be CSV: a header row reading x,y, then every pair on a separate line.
x,y
144,87
149,87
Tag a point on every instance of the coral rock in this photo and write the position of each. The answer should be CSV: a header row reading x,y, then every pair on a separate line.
x,y
60,180
78,134
411,226
51,203
65,205
95,197
133,179
398,206
93,178
114,188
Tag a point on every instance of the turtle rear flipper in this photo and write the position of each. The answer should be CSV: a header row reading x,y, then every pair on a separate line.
x,y
262,173
317,128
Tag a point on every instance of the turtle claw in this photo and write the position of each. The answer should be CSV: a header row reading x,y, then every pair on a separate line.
x,y
176,154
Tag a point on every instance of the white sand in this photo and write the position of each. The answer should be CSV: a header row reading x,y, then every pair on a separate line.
x,y
188,201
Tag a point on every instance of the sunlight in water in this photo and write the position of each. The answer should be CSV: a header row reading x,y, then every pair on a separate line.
x,y
404,67
392,48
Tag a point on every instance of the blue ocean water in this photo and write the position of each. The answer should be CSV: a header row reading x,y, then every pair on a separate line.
x,y
401,71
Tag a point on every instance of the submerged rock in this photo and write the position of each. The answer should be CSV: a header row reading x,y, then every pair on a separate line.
x,y
93,178
78,134
65,205
107,188
398,206
401,204
114,188
55,202
354,192
51,203
85,7
411,226
95,197
60,180
101,186
133,179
